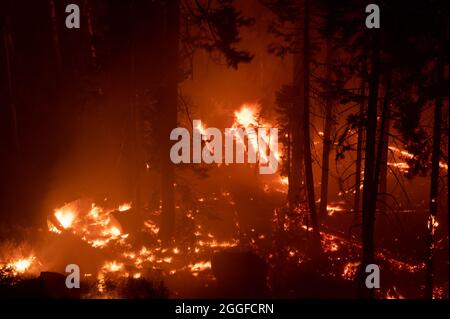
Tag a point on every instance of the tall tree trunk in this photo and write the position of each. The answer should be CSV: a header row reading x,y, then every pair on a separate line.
x,y
306,129
169,117
326,142
296,187
359,147
383,143
381,157
368,205
434,182
384,156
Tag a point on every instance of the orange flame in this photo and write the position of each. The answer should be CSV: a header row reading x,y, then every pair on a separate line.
x,y
65,217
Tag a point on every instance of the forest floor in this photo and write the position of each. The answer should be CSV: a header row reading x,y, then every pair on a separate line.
x,y
252,223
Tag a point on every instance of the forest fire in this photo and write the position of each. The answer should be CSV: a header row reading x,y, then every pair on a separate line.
x,y
223,149
99,227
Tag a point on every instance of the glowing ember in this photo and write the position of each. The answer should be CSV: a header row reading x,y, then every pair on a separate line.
x,y
404,167
331,209
329,242
439,293
223,244
401,166
403,153
200,266
52,228
350,270
433,223
151,226
393,294
124,207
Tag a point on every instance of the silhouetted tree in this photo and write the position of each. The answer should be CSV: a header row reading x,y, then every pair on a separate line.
x,y
293,27
441,91
327,142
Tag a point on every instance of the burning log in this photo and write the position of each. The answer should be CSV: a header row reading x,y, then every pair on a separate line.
x,y
93,223
240,274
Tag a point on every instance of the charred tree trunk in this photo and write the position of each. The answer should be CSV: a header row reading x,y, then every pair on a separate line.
x,y
306,130
169,103
359,147
384,156
434,182
295,190
381,157
296,187
326,143
369,190
383,144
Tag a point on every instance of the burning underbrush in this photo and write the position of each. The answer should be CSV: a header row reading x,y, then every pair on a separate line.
x,y
111,251
119,260
238,239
